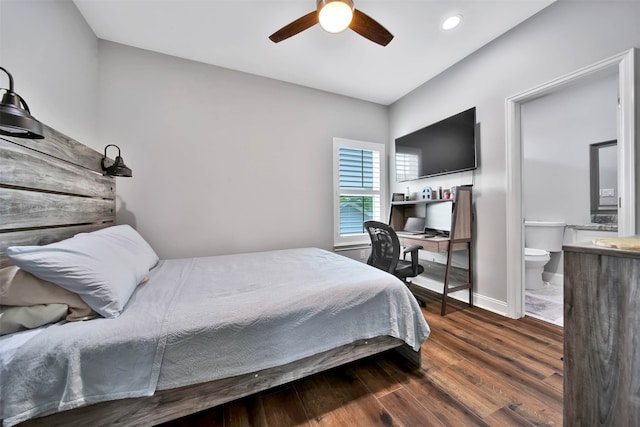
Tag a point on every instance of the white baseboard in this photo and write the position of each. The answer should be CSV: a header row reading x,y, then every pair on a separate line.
x,y
481,301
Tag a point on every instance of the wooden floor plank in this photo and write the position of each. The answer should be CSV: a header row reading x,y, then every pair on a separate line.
x,y
507,417
506,367
463,382
284,408
518,399
437,356
376,379
362,406
444,406
245,412
478,346
405,410
555,381
524,350
322,407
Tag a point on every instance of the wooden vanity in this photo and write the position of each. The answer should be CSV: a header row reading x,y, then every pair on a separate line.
x,y
601,336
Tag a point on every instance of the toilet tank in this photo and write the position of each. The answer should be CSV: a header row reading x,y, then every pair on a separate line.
x,y
547,235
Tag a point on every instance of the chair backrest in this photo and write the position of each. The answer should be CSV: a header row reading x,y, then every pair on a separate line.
x,y
385,246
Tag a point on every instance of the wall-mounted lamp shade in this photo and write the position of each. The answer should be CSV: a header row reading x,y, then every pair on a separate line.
x,y
118,168
15,120
335,15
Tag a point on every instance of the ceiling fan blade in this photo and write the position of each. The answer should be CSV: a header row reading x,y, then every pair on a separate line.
x,y
297,26
369,28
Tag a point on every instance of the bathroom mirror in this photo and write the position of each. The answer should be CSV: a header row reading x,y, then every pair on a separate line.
x,y
604,177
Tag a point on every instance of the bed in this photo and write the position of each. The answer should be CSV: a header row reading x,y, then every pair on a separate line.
x,y
198,332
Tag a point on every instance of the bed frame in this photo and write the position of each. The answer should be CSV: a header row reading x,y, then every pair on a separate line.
x,y
52,189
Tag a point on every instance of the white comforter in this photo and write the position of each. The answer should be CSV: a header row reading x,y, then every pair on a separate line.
x,y
202,319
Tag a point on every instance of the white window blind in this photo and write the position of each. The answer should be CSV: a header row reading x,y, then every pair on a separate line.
x,y
406,166
359,181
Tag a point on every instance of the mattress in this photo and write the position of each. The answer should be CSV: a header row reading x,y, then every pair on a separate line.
x,y
203,319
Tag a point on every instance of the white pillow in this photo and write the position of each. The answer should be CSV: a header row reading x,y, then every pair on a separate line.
x,y
103,267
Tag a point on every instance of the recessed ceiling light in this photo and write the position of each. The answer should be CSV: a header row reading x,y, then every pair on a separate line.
x,y
451,22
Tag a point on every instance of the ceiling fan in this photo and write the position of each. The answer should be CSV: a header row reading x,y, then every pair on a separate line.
x,y
335,16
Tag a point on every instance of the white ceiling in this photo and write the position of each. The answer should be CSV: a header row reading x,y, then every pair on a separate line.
x,y
234,34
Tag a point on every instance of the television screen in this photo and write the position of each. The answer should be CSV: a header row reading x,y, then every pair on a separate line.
x,y
444,147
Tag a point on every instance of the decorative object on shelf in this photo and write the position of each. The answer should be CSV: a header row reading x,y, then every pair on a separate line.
x,y
335,16
427,193
397,197
15,120
118,168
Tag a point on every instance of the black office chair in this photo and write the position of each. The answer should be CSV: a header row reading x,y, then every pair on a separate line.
x,y
385,252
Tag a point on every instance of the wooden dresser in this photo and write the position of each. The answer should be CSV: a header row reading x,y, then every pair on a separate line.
x,y
601,336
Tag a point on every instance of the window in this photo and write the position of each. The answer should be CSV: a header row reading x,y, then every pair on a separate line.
x,y
359,179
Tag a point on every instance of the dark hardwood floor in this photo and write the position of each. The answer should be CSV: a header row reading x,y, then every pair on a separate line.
x,y
478,368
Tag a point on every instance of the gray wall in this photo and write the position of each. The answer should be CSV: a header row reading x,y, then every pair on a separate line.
x,y
557,131
223,161
52,54
560,39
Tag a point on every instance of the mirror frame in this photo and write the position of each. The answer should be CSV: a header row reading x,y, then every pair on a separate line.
x,y
594,171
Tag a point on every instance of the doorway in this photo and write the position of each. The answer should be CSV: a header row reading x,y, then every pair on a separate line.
x,y
559,132
623,66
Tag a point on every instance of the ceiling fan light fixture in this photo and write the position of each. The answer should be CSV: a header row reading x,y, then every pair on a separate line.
x,y
335,15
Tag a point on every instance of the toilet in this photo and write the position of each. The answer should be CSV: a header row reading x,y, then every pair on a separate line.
x,y
540,238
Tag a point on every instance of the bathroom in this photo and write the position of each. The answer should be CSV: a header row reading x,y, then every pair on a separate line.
x,y
567,136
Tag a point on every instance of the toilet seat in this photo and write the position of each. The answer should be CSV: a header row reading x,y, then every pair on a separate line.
x,y
535,252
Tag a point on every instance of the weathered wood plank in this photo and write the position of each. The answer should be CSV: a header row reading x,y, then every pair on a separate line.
x,y
21,209
62,147
601,318
166,405
42,237
25,168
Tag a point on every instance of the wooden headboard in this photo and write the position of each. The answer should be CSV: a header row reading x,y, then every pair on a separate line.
x,y
51,189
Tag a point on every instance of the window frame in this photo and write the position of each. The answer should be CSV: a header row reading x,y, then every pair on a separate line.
x,y
360,238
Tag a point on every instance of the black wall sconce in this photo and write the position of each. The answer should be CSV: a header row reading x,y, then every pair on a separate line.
x,y
14,120
118,168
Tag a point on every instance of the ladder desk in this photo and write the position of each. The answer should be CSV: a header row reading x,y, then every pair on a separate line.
x,y
460,236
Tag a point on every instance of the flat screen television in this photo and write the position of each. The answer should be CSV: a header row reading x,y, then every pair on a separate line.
x,y
447,146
